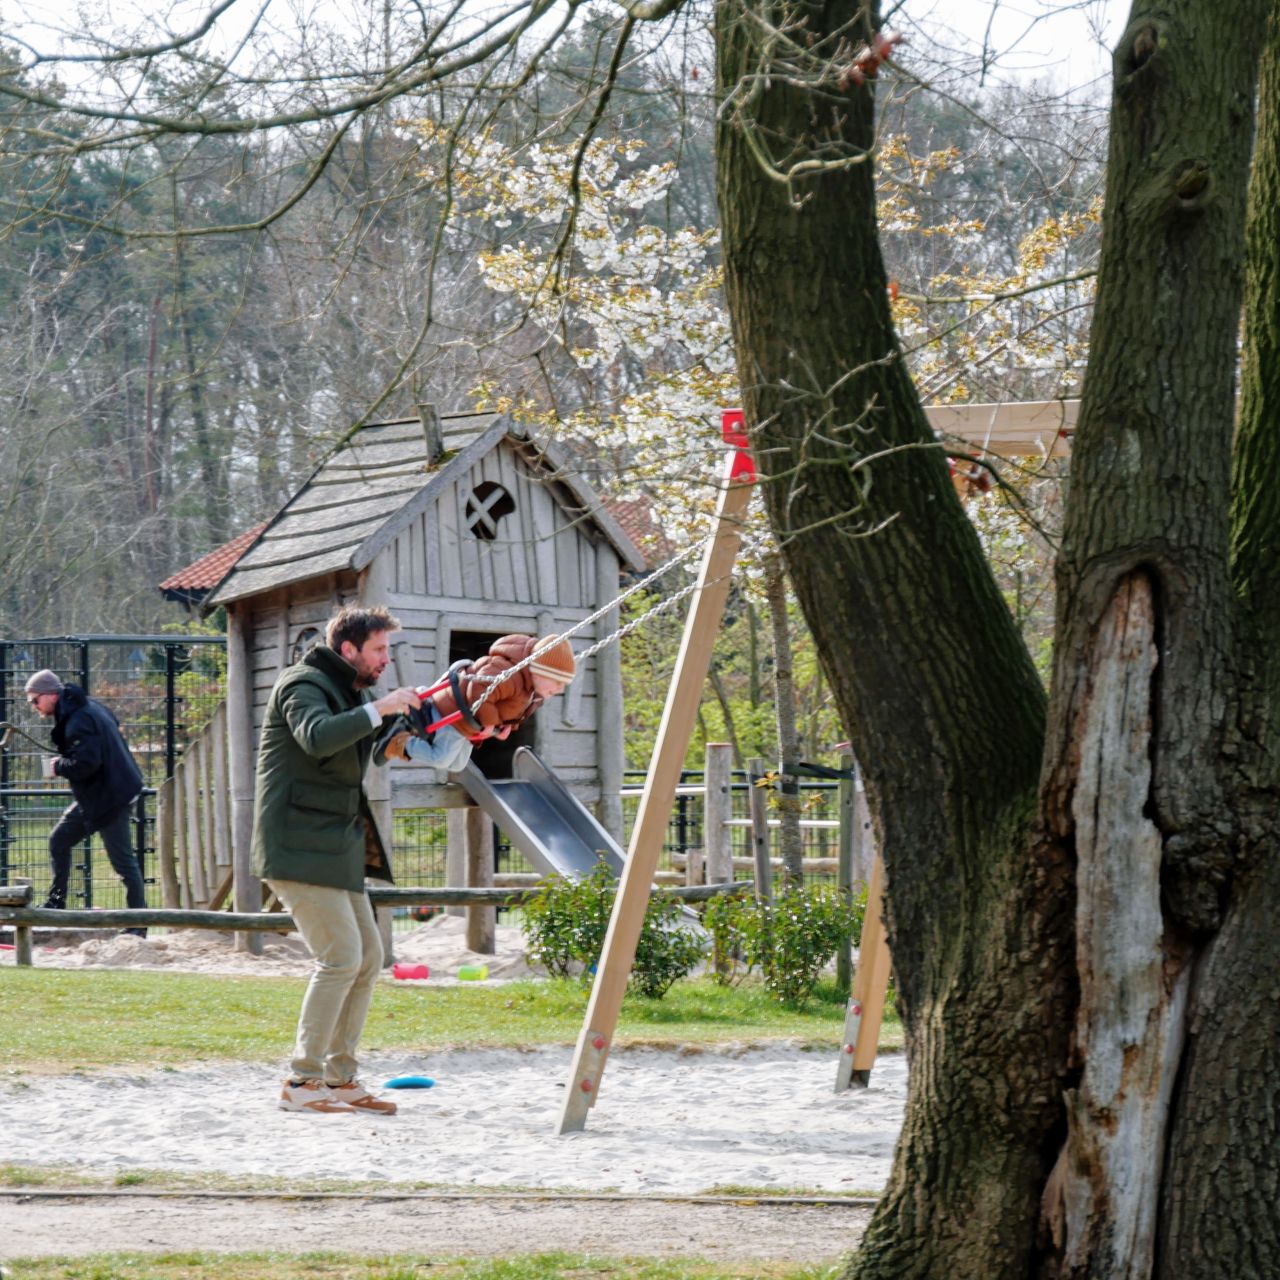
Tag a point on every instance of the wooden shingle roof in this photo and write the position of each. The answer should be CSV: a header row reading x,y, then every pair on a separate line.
x,y
367,490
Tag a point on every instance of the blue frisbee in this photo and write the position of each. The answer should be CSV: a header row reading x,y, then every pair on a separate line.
x,y
410,1082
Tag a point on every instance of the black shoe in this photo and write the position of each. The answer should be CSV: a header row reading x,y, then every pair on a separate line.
x,y
54,902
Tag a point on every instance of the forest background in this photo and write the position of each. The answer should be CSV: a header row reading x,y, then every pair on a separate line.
x,y
190,322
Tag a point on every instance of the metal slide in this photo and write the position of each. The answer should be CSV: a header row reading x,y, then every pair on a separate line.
x,y
542,818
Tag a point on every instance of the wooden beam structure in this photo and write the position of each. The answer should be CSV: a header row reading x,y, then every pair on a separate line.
x,y
22,918
1015,430
674,733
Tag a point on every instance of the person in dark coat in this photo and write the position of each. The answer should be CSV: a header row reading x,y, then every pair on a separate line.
x,y
105,781
315,843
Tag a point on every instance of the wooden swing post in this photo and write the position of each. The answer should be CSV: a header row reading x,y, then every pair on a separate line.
x,y
674,734
865,1009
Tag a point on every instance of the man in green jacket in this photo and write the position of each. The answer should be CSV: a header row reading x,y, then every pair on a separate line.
x,y
315,841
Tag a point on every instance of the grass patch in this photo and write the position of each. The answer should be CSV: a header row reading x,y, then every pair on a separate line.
x,y
65,1178
68,1020
335,1266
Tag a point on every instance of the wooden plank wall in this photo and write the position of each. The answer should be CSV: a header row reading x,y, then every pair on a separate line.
x,y
194,827
540,572
278,620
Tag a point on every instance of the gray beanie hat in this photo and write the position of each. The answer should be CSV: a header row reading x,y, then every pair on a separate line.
x,y
44,682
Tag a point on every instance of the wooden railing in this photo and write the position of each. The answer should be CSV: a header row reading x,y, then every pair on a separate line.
x,y
24,918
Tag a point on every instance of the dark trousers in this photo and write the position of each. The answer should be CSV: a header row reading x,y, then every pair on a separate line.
x,y
73,827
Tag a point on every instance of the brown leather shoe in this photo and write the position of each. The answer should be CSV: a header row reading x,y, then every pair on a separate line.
x,y
354,1095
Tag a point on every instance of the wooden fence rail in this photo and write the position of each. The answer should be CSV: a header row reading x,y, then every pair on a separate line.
x,y
23,919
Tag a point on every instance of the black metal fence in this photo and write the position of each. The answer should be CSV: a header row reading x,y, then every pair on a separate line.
x,y
161,688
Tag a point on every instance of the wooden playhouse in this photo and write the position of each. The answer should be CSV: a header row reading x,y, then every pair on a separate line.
x,y
467,528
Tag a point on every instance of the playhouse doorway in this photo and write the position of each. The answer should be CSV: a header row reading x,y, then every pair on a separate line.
x,y
494,758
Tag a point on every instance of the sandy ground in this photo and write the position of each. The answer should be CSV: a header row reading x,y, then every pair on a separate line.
x,y
668,1124
490,1226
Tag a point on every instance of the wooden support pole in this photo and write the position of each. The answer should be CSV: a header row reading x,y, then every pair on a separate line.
x,y
247,891
481,920
181,864
208,806
674,732
192,775
844,874
375,589
221,805
864,841
455,853
865,1010
717,835
610,719
166,805
18,894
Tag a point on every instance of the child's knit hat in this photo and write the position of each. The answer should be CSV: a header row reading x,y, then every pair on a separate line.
x,y
555,660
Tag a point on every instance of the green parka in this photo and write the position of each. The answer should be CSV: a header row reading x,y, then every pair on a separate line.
x,y
311,818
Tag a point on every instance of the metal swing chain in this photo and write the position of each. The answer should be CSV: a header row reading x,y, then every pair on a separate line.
x,y
663,605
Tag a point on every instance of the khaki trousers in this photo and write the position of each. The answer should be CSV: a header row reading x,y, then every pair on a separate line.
x,y
340,929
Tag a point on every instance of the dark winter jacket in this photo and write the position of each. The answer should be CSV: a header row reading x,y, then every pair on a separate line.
x,y
93,756
311,818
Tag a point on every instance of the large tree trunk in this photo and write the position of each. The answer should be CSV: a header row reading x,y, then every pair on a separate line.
x,y
1134,781
1220,1214
1048,951
932,679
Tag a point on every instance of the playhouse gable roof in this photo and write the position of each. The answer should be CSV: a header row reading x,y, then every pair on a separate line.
x,y
365,492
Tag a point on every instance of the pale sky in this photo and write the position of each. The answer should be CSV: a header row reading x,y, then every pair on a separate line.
x,y
1039,36
1067,42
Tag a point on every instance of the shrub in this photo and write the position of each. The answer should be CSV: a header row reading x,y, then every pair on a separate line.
x,y
667,949
566,922
789,940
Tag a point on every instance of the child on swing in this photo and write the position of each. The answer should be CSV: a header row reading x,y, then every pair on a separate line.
x,y
512,701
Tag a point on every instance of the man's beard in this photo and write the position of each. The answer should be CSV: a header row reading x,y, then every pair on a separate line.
x,y
366,676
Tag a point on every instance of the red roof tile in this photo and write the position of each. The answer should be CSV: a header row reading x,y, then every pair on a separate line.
x,y
638,522
210,569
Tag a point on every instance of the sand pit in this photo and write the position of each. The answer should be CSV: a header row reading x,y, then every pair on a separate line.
x,y
667,1122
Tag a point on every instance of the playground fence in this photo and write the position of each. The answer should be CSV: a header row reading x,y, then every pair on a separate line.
x,y
162,688
167,691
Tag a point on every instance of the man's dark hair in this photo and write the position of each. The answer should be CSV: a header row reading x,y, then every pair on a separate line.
x,y
354,623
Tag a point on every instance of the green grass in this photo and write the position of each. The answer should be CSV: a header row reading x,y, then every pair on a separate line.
x,y
67,1020
62,1177
336,1266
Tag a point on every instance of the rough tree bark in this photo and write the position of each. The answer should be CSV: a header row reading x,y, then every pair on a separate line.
x,y
1063,887
1221,1215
